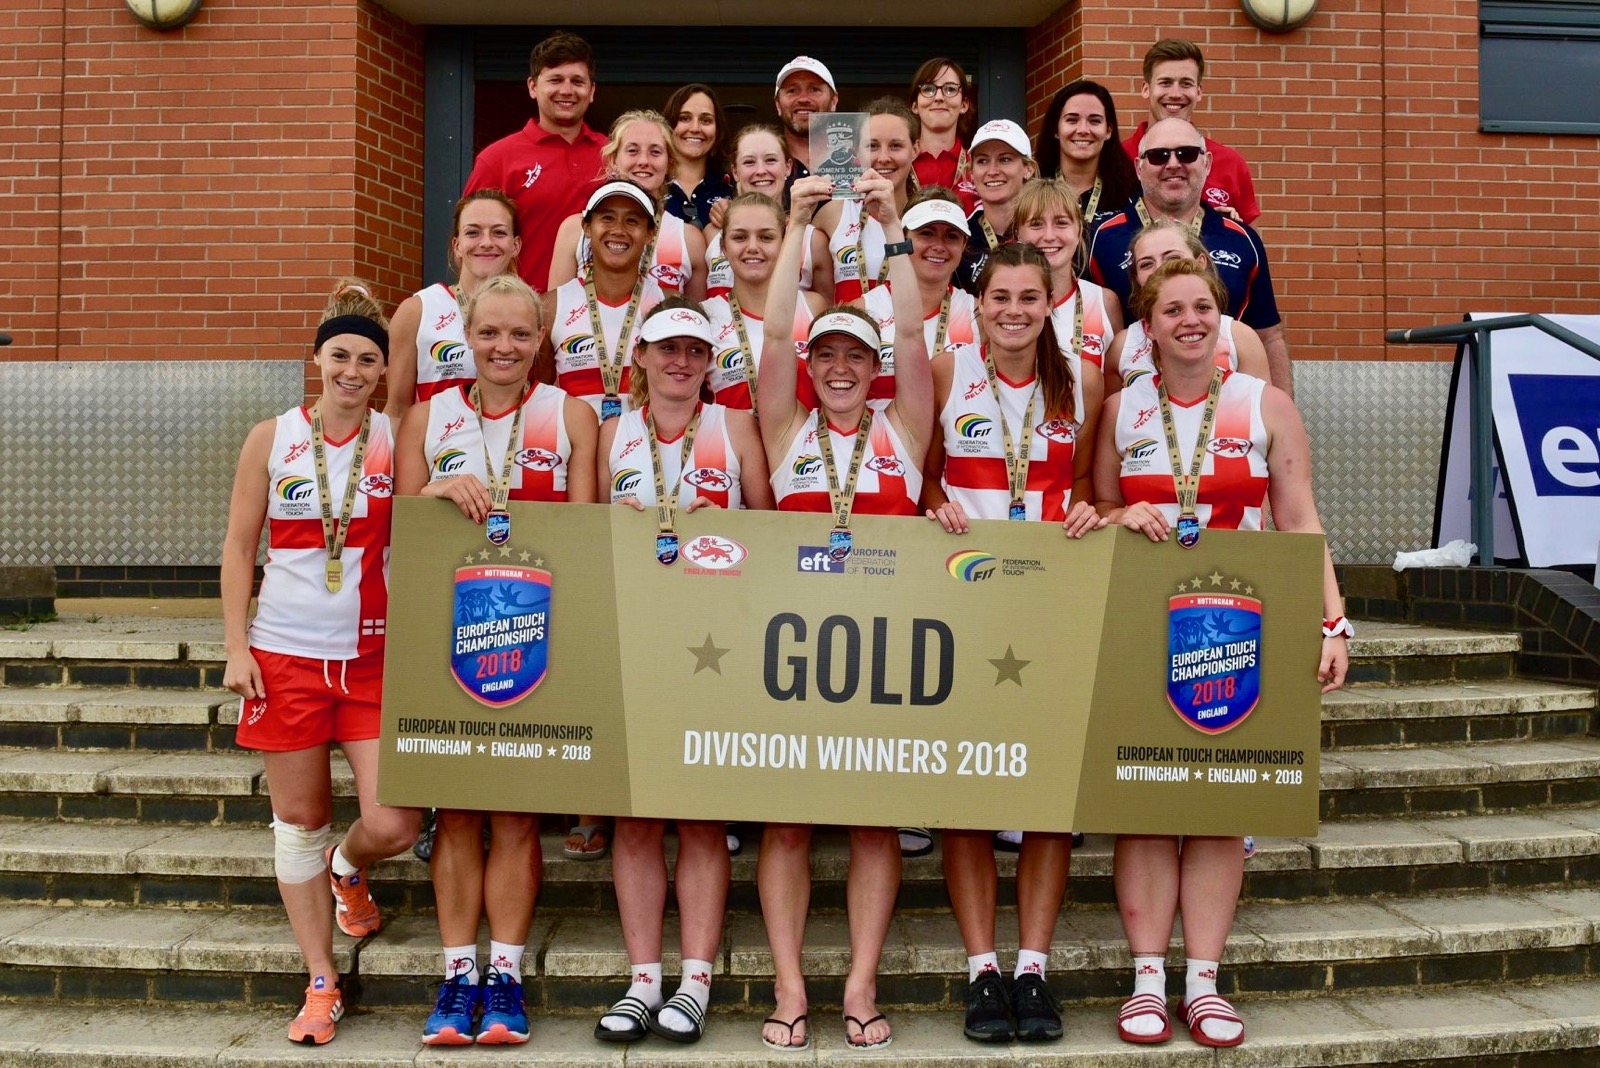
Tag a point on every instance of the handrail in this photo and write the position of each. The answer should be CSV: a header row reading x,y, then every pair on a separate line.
x,y
1477,333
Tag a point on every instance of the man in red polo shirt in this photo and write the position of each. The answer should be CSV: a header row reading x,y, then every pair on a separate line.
x,y
1173,71
550,165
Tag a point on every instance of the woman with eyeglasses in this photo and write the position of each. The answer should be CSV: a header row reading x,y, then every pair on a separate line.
x,y
946,102
1071,145
1000,164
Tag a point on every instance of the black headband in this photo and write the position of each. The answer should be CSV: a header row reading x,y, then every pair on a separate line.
x,y
354,324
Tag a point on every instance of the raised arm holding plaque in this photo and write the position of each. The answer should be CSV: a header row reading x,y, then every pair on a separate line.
x,y
836,145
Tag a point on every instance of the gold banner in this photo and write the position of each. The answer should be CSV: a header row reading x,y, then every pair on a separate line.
x,y
1007,677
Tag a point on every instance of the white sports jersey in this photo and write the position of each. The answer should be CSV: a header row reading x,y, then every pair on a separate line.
x,y
1137,353
1233,474
727,379
669,261
296,614
719,272
890,481
961,330
712,472
456,444
847,284
577,363
1096,324
974,444
444,358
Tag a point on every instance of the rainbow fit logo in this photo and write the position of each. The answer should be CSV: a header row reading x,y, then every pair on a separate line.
x,y
808,465
447,351
449,462
294,488
1142,449
847,256
731,359
971,565
626,481
973,426
1134,376
578,345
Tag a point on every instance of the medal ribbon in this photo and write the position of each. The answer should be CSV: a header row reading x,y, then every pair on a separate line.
x,y
1016,460
1188,485
333,538
1094,202
843,500
943,328
611,369
1077,320
744,347
1193,225
499,487
861,252
988,232
667,504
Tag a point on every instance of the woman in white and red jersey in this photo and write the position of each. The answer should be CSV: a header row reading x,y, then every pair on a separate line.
x,y
428,347
594,318
1086,316
309,668
493,440
1239,347
843,457
1245,441
753,232
760,162
641,149
937,229
672,452
853,240
1016,418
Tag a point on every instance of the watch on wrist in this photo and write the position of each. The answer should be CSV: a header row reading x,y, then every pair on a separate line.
x,y
1338,626
899,248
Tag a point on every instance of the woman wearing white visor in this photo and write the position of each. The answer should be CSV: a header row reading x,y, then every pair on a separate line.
x,y
1001,162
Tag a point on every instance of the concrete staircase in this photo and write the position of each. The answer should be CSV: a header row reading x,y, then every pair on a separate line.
x,y
1448,913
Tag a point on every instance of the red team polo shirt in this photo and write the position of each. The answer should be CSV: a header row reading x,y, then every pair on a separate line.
x,y
1228,184
548,178
940,169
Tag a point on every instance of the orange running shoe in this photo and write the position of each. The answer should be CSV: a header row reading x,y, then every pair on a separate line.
x,y
323,1008
353,907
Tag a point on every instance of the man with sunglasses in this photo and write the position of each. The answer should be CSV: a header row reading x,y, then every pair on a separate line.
x,y
1173,71
1172,166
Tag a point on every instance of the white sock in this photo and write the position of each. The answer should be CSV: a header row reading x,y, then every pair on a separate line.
x,y
1149,977
1200,980
506,959
341,867
461,960
1029,960
696,984
983,962
646,986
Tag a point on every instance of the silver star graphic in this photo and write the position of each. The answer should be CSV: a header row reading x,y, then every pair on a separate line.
x,y
708,656
1009,667
471,557
1250,589
1233,585
483,554
1216,579
481,747
538,561
524,556
1197,583
505,550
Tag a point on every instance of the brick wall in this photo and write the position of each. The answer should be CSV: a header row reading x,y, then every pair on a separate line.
x,y
212,181
1384,207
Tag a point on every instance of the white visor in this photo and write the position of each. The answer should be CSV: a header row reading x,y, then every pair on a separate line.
x,y
844,323
679,322
1007,133
934,211
621,189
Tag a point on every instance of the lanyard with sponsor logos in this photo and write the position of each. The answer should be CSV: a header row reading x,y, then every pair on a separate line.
x,y
861,253
497,525
1016,460
667,503
611,364
1193,225
333,538
744,347
1077,320
843,499
1188,485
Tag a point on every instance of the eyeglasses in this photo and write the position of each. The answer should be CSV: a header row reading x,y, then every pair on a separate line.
x,y
1157,157
949,90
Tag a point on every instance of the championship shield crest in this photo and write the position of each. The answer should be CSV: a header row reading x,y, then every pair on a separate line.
x,y
1213,659
500,637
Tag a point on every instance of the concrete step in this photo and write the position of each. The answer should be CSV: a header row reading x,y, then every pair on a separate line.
x,y
1500,1026
157,864
249,956
97,717
1460,779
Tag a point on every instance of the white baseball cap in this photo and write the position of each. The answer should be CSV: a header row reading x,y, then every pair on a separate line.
x,y
621,189
1007,133
805,63
677,322
844,323
928,212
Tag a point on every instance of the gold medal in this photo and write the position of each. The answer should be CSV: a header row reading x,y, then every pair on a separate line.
x,y
335,576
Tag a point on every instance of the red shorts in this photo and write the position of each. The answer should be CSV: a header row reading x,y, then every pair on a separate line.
x,y
312,702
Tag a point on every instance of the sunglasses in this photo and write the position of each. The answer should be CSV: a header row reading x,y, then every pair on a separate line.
x,y
1157,157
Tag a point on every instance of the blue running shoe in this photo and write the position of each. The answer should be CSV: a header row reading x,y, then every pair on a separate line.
x,y
505,1018
450,1024
1249,846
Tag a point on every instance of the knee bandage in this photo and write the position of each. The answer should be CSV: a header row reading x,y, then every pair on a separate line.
x,y
299,855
